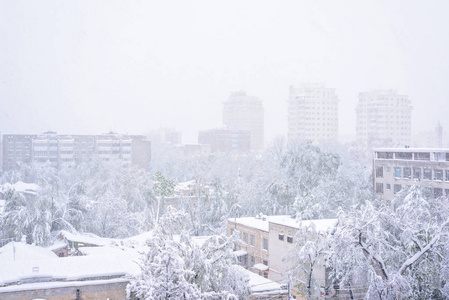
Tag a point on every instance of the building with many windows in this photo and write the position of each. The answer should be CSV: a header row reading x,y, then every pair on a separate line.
x,y
398,168
265,242
226,140
383,119
74,149
244,112
312,113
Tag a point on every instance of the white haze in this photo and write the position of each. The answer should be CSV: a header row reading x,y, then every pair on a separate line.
x,y
133,66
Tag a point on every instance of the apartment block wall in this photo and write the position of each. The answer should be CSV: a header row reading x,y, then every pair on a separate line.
x,y
256,252
87,291
395,169
74,149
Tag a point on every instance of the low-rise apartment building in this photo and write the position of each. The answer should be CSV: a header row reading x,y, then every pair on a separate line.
x,y
252,250
398,168
265,242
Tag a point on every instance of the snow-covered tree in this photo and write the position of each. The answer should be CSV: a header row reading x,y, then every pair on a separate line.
x,y
308,260
176,267
403,251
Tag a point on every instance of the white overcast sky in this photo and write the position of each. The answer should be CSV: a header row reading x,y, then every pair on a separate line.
x,y
133,66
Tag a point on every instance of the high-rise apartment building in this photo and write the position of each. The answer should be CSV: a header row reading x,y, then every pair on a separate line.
x,y
74,149
243,112
383,119
312,112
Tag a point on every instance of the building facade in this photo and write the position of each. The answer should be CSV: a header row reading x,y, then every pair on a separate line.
x,y
312,113
226,140
74,149
383,119
252,250
398,168
244,112
265,242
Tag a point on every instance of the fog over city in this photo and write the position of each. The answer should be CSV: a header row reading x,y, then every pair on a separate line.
x,y
135,66
213,150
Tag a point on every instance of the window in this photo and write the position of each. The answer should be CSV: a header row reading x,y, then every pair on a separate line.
x,y
379,172
403,155
245,237
265,262
437,192
388,187
422,156
397,172
379,188
243,260
251,239
290,239
252,261
265,244
438,174
397,188
407,171
281,236
385,155
417,173
427,174
447,175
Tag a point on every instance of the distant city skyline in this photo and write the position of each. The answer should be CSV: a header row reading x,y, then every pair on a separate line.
x,y
133,67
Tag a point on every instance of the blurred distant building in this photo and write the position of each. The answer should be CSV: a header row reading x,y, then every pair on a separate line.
x,y
244,112
433,138
74,149
164,135
383,119
226,140
312,112
189,150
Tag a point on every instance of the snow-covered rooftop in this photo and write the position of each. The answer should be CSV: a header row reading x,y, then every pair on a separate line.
x,y
57,284
22,187
411,150
262,286
87,238
286,220
20,263
253,222
15,251
320,224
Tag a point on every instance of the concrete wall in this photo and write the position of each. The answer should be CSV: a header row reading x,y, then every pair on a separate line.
x,y
255,251
112,291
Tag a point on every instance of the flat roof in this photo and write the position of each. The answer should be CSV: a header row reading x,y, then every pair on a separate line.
x,y
286,220
411,150
320,224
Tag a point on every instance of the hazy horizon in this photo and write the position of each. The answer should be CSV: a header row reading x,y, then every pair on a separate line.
x,y
91,67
